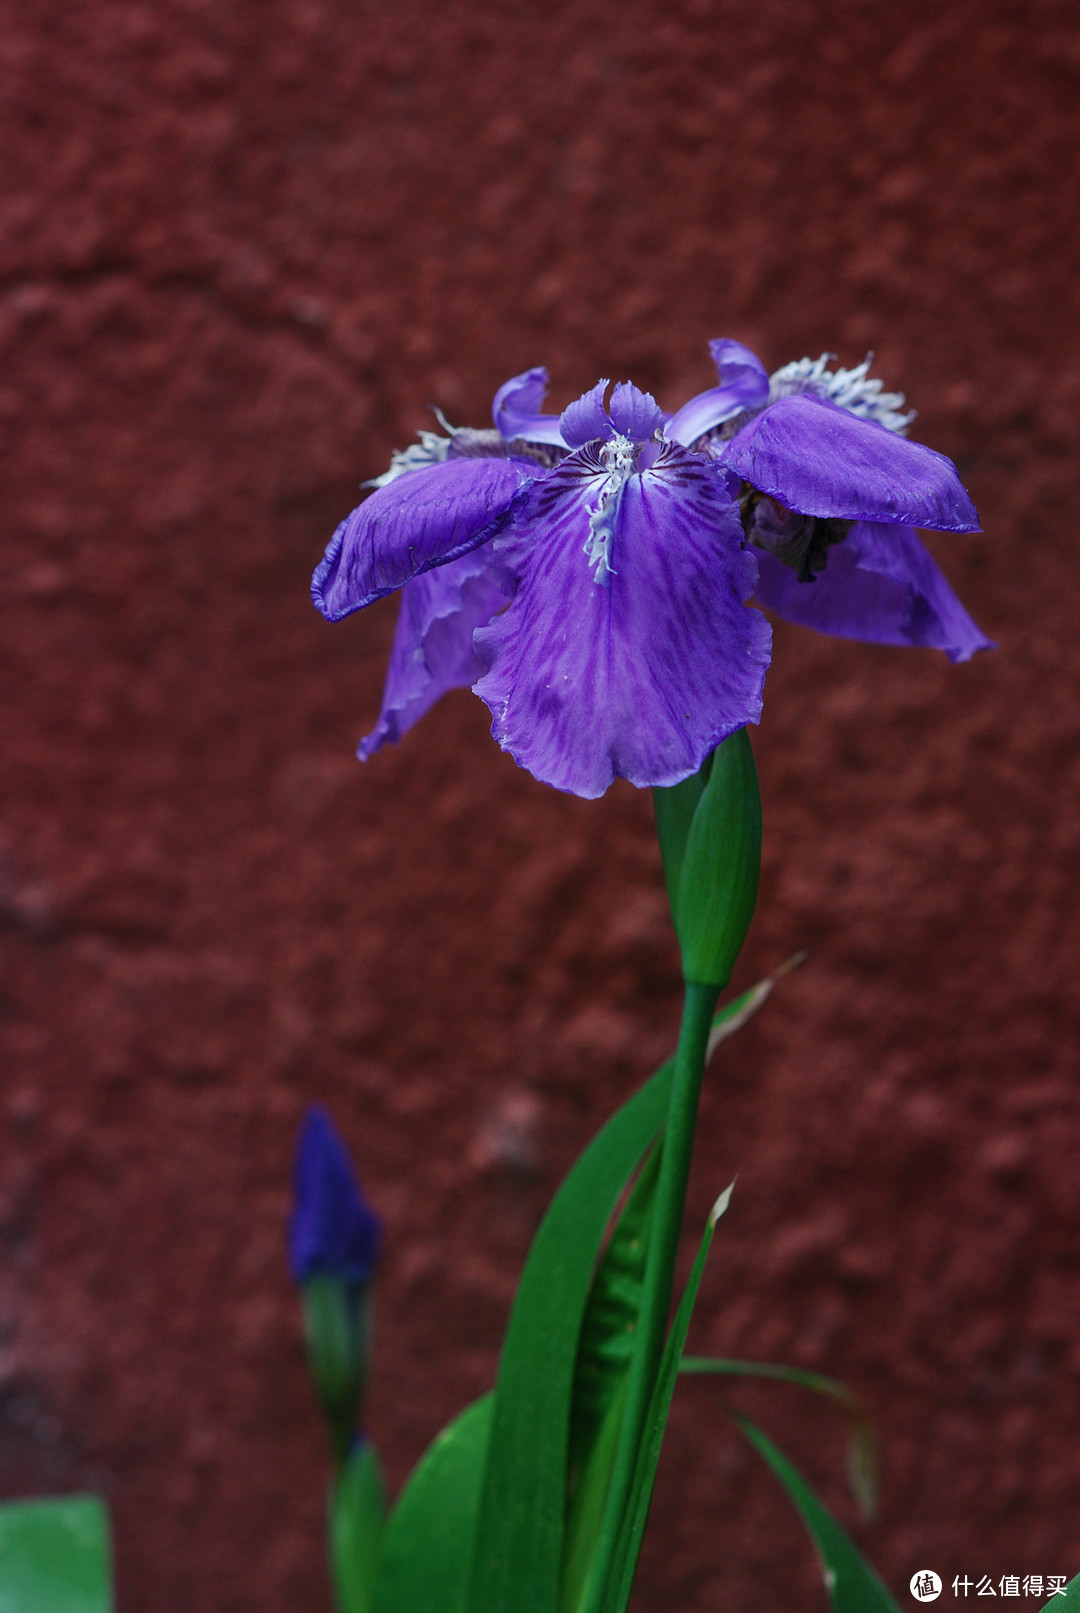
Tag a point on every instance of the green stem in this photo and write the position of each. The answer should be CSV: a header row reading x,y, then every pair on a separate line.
x,y
678,1143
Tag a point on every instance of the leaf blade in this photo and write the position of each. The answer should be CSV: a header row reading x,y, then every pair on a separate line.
x,y
1069,1603
853,1586
521,1529
356,1517
862,1448
55,1554
426,1548
620,1578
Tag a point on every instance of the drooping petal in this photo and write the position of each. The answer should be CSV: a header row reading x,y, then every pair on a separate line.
x,y
736,365
744,384
419,521
586,419
640,677
880,585
822,460
635,414
516,409
433,649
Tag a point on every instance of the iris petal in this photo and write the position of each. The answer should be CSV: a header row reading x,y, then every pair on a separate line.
x,y
744,384
421,520
516,409
433,649
640,678
880,585
586,419
635,414
736,365
823,460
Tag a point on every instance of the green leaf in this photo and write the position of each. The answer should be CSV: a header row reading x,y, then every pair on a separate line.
x,y
852,1584
356,1510
1069,1603
735,1014
620,1578
585,1518
611,1316
54,1556
520,1536
600,1377
718,879
428,1539
862,1449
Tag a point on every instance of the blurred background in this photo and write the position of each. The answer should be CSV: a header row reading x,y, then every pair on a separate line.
x,y
244,247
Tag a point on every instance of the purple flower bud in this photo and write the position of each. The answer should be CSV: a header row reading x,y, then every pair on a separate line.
x,y
333,1231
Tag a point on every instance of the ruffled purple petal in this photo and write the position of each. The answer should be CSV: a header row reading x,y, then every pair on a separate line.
x,y
744,384
880,585
640,677
433,649
822,460
635,414
421,520
516,409
586,419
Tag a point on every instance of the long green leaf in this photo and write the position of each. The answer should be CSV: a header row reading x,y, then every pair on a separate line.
x,y
54,1556
620,1575
522,1520
600,1379
585,1517
610,1321
1069,1603
428,1539
852,1584
356,1511
520,1534
862,1449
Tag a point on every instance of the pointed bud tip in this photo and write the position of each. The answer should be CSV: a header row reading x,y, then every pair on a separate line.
x,y
722,1203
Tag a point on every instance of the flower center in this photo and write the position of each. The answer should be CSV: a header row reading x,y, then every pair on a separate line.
x,y
799,541
618,456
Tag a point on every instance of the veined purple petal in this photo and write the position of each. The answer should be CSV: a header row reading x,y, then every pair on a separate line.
x,y
880,585
586,419
421,520
822,460
333,1229
635,414
744,384
640,677
516,409
433,649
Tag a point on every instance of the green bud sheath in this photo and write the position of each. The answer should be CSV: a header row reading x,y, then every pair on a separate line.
x,y
712,859
336,1328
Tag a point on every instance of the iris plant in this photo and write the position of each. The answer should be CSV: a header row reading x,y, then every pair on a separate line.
x,y
589,573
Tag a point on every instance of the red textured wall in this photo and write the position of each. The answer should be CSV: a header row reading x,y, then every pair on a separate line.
x,y
245,244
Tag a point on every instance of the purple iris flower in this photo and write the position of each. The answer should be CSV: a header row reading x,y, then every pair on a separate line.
x,y
588,573
333,1232
831,493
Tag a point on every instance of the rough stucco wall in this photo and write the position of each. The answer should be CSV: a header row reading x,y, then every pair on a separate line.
x,y
244,246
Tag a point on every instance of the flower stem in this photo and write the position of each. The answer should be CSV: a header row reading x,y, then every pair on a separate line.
x,y
677,1147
